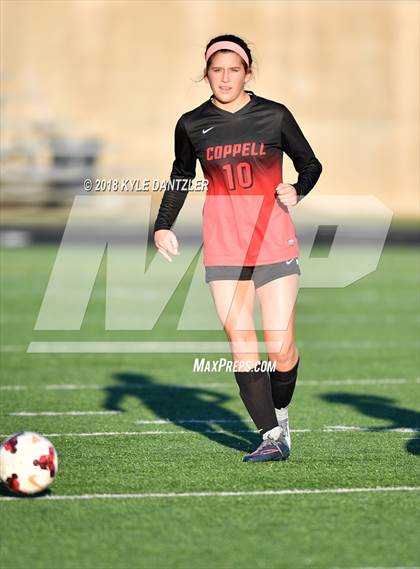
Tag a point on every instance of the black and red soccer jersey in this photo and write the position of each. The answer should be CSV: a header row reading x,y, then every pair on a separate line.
x,y
241,155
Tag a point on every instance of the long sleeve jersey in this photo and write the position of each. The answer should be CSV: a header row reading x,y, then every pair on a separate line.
x,y
241,155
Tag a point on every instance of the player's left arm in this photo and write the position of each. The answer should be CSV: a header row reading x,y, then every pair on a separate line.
x,y
309,168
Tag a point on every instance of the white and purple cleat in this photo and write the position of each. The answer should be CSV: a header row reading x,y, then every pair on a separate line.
x,y
269,449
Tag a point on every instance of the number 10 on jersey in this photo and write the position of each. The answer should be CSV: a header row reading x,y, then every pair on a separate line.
x,y
239,175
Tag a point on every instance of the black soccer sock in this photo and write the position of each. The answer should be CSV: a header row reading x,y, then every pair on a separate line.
x,y
283,385
255,392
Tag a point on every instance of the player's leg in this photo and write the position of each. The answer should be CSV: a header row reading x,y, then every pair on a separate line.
x,y
234,301
277,298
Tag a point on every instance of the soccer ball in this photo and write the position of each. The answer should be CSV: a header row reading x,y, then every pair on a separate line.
x,y
28,463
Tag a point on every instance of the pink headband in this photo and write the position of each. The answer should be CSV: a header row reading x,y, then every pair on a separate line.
x,y
227,45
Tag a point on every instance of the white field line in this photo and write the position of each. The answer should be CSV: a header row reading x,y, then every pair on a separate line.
x,y
326,429
346,429
222,494
230,384
386,381
388,567
193,347
75,386
143,433
196,421
339,429
60,413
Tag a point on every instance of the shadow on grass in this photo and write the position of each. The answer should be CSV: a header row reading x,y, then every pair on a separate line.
x,y
193,408
382,408
4,491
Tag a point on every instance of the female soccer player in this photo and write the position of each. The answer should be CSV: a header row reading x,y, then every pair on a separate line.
x,y
250,245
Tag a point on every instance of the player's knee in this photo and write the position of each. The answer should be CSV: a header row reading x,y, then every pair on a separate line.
x,y
238,335
243,343
283,354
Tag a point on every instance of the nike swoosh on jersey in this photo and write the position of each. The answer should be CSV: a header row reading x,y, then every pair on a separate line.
x,y
206,130
288,262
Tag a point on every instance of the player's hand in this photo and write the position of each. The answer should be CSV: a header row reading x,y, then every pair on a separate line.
x,y
287,194
166,242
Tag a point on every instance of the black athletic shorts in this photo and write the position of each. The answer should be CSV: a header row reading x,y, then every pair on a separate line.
x,y
260,274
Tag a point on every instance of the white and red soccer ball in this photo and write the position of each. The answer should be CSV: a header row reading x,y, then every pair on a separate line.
x,y
28,463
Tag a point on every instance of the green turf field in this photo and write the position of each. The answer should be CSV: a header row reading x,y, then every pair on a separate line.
x,y
150,454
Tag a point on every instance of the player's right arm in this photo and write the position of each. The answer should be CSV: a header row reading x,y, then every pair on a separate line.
x,y
299,150
183,168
